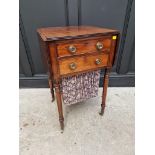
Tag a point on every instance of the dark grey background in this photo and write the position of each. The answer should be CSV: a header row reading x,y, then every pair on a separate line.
x,y
116,14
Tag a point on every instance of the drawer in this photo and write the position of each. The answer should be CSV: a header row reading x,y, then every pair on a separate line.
x,y
82,63
77,47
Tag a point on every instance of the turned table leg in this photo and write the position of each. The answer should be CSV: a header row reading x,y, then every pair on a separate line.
x,y
104,93
51,89
50,81
59,105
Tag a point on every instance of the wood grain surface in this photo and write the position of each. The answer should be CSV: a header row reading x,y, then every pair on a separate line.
x,y
83,63
71,32
83,46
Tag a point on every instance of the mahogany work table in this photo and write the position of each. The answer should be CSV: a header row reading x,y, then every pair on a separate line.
x,y
77,49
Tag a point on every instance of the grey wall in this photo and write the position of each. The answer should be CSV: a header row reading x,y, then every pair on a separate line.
x,y
118,14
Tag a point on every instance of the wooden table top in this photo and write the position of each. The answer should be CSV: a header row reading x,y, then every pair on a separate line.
x,y
72,32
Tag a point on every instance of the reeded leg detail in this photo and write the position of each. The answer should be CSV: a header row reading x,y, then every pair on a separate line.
x,y
59,105
51,89
104,93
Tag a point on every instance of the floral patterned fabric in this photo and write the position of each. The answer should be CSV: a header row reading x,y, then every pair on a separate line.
x,y
80,87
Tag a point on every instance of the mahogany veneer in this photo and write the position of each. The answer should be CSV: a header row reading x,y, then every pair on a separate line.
x,y
83,63
83,46
75,49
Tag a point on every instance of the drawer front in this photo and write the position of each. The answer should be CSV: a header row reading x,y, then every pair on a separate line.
x,y
83,63
77,47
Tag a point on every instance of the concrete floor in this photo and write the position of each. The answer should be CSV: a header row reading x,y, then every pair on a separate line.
x,y
86,132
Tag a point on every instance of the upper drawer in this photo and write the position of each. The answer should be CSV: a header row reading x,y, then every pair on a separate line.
x,y
76,47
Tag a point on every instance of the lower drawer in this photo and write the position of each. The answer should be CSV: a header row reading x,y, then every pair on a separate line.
x,y
83,63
